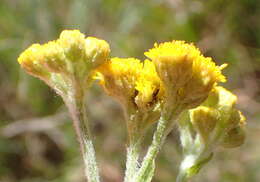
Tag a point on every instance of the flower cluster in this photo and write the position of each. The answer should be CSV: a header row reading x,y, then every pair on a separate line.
x,y
177,85
60,63
218,121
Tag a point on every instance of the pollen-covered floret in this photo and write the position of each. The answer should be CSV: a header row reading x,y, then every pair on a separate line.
x,y
118,77
132,82
148,85
188,76
137,87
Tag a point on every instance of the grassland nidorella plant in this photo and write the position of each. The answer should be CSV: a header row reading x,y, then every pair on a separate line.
x,y
175,86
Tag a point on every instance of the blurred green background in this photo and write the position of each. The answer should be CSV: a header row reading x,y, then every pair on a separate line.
x,y
37,141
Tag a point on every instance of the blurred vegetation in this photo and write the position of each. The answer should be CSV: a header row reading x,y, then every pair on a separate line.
x,y
37,142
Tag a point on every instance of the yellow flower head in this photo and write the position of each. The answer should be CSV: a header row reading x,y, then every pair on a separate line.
x,y
218,113
187,75
70,58
118,77
137,87
131,81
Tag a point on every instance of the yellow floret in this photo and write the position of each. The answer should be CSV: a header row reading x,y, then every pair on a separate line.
x,y
54,58
176,50
188,76
97,51
48,57
173,61
131,82
31,59
119,76
137,87
148,85
73,43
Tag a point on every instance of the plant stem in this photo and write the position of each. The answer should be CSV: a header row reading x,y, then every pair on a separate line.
x,y
186,164
144,173
132,164
164,127
77,110
190,151
135,138
196,154
182,177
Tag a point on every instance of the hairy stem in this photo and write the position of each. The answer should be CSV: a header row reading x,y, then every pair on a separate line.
x,y
144,173
186,164
135,138
190,152
132,164
164,127
77,110
182,177
196,155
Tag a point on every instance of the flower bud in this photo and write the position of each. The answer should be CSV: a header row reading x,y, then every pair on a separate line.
x,y
233,138
31,59
73,44
68,61
218,119
224,101
235,133
204,119
54,58
97,51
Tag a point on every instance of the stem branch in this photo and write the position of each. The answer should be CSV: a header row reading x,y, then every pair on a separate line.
x,y
144,174
132,164
77,110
